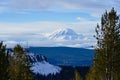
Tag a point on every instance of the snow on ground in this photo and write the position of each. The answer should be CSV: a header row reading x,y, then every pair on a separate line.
x,y
45,68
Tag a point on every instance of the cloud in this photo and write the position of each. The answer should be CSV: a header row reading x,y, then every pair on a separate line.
x,y
46,26
93,7
14,33
66,4
82,19
51,43
31,4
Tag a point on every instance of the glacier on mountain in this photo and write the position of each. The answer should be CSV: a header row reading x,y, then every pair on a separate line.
x,y
65,34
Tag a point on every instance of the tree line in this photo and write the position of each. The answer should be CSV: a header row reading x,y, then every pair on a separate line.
x,y
14,65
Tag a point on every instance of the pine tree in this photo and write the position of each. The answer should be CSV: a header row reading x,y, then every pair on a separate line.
x,y
3,62
19,65
77,76
107,56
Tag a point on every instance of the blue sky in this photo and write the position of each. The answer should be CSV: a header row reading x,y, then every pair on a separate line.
x,y
54,10
44,16
51,11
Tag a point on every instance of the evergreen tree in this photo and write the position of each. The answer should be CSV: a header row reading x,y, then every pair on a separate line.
x,y
3,62
107,56
19,65
77,76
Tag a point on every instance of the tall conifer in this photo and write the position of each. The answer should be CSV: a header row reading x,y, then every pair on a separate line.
x,y
19,65
3,62
106,64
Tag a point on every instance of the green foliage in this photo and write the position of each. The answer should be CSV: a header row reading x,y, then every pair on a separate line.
x,y
77,76
14,66
3,62
107,56
19,66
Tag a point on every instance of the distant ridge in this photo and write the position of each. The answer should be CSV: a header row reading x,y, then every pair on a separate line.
x,y
66,55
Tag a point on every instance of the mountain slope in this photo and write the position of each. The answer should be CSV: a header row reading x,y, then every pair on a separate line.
x,y
45,68
64,34
41,66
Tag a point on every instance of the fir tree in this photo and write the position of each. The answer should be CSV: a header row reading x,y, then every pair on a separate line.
x,y
19,65
77,76
3,62
107,56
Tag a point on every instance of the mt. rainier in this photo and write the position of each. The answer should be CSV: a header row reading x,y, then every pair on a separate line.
x,y
65,34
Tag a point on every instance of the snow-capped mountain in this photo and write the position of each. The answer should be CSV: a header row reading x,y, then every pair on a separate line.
x,y
41,66
65,34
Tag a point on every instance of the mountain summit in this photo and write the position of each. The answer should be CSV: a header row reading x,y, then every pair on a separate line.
x,y
64,34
